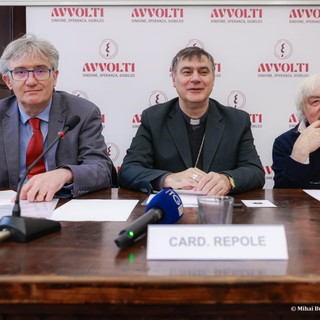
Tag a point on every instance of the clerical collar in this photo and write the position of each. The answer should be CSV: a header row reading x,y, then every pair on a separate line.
x,y
194,122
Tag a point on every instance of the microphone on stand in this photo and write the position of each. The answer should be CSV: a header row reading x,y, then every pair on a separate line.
x,y
23,229
165,208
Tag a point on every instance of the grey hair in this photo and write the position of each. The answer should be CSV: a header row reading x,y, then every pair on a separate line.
x,y
190,52
305,89
28,45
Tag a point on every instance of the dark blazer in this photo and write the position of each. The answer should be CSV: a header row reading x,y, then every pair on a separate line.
x,y
161,145
289,173
83,149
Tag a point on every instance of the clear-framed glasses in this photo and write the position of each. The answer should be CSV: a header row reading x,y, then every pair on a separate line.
x,y
40,74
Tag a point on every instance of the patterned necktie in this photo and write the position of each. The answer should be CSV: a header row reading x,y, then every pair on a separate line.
x,y
35,148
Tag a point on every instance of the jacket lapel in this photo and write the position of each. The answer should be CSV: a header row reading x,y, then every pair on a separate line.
x,y
178,131
11,144
57,121
214,131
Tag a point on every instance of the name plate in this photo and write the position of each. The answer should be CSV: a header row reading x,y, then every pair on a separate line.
x,y
216,242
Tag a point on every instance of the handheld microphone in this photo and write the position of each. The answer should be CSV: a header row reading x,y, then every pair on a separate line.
x,y
164,208
23,229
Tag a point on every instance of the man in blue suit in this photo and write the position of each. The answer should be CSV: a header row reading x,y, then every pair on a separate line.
x,y
193,142
79,163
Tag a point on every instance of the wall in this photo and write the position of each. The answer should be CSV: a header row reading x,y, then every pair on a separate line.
x,y
119,57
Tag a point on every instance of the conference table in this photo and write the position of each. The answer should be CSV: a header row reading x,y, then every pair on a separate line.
x,y
79,272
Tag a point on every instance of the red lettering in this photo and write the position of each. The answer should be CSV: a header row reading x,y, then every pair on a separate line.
x,y
310,13
284,67
58,12
90,67
218,13
136,118
157,12
265,67
217,67
256,118
109,67
293,118
78,12
236,13
267,169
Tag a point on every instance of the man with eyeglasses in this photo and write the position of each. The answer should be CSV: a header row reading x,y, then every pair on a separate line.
x,y
31,119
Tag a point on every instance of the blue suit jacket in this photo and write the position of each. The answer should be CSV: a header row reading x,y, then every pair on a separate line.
x,y
83,149
289,173
161,145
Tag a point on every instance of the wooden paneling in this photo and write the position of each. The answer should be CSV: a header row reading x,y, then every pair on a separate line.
x,y
12,26
79,273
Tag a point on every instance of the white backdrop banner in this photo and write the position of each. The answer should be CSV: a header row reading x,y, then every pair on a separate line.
x,y
119,57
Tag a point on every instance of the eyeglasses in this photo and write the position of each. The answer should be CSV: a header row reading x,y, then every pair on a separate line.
x,y
40,74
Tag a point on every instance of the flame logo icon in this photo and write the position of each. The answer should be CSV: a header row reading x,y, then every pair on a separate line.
x,y
195,43
108,49
157,97
283,49
113,151
237,99
80,93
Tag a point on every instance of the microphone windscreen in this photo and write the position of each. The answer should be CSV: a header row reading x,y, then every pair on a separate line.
x,y
72,122
170,203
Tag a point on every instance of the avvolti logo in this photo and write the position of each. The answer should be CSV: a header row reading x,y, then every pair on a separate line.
x,y
283,50
236,15
304,15
113,151
77,14
157,97
236,99
157,15
108,49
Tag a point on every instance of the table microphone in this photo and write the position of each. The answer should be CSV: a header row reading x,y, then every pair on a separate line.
x,y
164,208
23,229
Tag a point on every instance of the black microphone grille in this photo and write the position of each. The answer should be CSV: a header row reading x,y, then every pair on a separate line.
x,y
72,122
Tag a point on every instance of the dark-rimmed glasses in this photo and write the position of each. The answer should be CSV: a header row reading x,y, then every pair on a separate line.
x,y
40,74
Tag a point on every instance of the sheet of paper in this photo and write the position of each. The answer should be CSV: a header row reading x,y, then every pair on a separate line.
x,y
28,209
259,203
313,193
6,197
94,210
188,200
188,192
